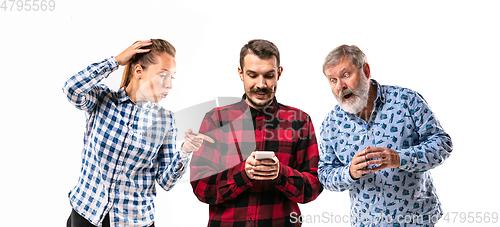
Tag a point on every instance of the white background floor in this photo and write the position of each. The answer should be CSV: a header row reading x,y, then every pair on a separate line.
x,y
446,50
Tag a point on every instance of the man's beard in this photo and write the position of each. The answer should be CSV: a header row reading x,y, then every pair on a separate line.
x,y
359,96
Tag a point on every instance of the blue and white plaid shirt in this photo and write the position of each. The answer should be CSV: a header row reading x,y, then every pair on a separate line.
x,y
127,146
401,120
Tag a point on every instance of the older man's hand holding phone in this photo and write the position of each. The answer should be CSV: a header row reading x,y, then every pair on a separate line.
x,y
262,165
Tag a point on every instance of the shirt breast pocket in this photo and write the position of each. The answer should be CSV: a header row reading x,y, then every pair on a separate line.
x,y
144,148
285,150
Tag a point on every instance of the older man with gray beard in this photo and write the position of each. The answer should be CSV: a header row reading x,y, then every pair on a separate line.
x,y
380,143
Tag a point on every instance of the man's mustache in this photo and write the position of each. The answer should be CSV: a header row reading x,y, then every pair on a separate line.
x,y
349,92
265,90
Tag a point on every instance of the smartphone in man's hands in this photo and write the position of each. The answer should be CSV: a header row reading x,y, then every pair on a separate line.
x,y
260,155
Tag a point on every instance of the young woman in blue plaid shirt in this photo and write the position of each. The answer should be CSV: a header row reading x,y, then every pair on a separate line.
x,y
129,143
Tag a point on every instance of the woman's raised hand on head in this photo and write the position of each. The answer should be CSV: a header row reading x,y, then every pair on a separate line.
x,y
124,57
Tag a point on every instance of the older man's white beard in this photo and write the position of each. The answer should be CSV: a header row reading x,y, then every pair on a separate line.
x,y
359,97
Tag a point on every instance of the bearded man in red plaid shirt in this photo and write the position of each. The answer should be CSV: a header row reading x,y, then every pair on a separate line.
x,y
244,191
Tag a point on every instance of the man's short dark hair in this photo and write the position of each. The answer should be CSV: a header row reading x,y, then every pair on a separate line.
x,y
261,48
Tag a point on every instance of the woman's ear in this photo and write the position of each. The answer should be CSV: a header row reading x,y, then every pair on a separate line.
x,y
138,71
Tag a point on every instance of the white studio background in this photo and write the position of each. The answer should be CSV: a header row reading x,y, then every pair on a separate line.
x,y
446,50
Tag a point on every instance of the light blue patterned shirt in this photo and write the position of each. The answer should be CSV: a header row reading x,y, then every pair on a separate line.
x,y
402,121
127,146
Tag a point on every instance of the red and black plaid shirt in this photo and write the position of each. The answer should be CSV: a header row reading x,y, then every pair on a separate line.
x,y
217,170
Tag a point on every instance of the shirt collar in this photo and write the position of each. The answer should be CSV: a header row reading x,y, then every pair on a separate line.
x,y
380,97
122,95
123,98
148,105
